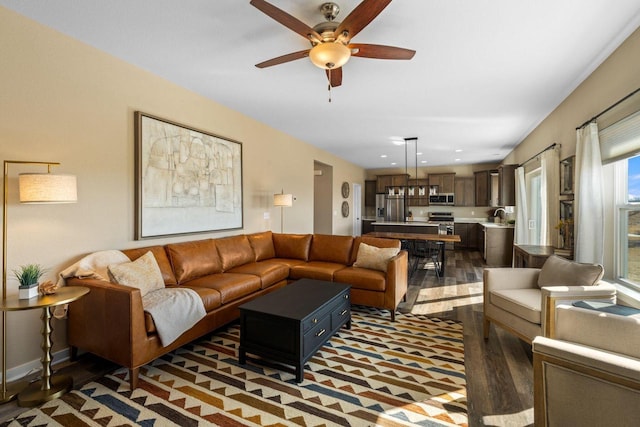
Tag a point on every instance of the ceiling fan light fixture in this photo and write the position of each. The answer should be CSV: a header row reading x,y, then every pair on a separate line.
x,y
329,55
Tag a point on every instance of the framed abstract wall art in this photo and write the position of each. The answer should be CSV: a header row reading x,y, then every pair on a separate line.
x,y
187,181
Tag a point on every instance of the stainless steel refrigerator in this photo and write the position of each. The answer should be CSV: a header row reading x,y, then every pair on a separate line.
x,y
395,209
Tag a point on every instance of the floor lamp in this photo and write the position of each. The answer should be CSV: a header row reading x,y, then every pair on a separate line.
x,y
33,188
282,200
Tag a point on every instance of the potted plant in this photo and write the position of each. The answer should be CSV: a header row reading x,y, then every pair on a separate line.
x,y
28,276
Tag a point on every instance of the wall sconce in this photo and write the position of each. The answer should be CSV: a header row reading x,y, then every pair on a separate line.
x,y
282,200
33,188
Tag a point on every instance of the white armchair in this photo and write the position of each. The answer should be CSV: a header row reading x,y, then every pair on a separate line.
x,y
523,300
590,374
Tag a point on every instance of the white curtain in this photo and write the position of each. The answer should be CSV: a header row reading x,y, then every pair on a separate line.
x,y
549,185
589,197
522,210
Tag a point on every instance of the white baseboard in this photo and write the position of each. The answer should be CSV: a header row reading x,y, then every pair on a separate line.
x,y
33,366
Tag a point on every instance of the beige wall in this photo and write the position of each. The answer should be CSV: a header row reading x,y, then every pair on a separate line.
x,y
61,100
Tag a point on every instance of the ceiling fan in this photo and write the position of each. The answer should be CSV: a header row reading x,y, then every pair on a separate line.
x,y
331,45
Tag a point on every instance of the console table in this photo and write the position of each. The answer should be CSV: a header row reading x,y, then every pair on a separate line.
x,y
531,256
50,387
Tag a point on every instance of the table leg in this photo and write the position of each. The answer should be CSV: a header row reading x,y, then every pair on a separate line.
x,y
442,258
49,387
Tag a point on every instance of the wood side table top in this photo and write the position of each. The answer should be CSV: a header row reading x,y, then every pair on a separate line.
x,y
64,295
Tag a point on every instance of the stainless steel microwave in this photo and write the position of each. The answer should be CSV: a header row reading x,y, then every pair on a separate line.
x,y
442,199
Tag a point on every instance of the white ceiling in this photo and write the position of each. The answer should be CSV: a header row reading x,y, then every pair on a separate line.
x,y
485,74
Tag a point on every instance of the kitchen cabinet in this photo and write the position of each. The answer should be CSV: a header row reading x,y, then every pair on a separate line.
x,y
483,187
367,226
384,181
370,193
507,185
465,191
468,233
498,246
420,192
444,181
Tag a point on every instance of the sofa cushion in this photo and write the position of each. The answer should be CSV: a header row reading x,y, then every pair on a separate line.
x,y
269,273
331,248
262,244
143,273
195,259
234,251
318,270
230,285
211,298
373,257
294,246
524,303
372,241
362,278
558,271
161,258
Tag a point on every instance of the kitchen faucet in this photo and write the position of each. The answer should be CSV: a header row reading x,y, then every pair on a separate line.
x,y
498,210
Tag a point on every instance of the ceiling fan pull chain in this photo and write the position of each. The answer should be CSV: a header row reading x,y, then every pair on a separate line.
x,y
329,85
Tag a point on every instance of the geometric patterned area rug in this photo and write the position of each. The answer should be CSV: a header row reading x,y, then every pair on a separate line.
x,y
402,373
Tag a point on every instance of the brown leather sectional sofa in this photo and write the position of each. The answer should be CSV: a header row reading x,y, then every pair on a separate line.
x,y
227,272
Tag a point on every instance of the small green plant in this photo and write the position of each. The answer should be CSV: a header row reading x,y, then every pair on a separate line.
x,y
29,274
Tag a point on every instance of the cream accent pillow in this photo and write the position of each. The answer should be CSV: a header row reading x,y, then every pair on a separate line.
x,y
373,257
142,273
558,271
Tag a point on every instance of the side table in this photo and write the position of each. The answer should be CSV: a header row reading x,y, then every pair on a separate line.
x,y
50,387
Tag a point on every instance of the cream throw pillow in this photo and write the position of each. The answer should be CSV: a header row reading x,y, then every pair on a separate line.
x,y
558,271
142,273
373,257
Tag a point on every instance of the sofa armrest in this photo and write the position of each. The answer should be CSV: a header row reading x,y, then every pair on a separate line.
x,y
397,273
606,331
605,361
552,296
108,321
509,278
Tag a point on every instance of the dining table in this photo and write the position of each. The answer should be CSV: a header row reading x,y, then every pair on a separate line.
x,y
414,237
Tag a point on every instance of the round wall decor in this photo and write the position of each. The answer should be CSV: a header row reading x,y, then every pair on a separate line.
x,y
345,209
345,189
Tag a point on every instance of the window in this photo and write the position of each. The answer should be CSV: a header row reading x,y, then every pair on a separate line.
x,y
628,221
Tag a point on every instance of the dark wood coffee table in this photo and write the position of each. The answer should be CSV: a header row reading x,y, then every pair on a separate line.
x,y
290,325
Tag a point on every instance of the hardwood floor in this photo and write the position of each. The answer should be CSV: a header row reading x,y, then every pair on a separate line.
x,y
499,372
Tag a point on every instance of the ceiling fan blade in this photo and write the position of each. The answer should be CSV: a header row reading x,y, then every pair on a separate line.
x,y
284,58
334,76
287,20
360,17
378,51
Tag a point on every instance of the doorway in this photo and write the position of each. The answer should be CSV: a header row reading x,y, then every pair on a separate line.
x,y
322,198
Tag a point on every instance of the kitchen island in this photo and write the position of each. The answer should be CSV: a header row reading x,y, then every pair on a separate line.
x,y
413,237
422,227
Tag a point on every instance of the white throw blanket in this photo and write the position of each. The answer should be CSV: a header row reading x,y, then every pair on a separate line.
x,y
174,310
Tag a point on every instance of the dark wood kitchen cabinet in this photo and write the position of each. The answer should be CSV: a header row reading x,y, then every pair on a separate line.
x,y
507,185
370,193
444,181
465,191
468,233
483,188
385,181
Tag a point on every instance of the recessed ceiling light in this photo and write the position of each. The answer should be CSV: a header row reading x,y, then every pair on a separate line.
x,y
393,163
423,161
418,154
457,160
458,151
384,156
398,142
